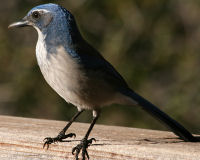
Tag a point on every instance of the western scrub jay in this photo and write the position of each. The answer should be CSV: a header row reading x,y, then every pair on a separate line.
x,y
80,74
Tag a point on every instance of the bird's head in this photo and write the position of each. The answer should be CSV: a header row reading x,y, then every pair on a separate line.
x,y
54,24
40,17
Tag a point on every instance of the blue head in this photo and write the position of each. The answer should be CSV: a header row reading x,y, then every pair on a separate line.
x,y
51,20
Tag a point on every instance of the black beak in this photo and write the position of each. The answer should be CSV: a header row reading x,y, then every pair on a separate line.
x,y
21,23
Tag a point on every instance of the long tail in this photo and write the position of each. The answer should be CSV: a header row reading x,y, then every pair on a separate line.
x,y
173,125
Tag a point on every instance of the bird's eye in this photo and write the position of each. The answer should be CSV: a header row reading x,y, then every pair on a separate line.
x,y
36,15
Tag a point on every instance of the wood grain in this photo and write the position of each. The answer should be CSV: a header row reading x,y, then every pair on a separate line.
x,y
22,139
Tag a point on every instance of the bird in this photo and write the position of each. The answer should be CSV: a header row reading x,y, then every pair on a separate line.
x,y
81,75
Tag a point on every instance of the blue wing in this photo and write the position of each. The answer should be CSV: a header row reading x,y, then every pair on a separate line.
x,y
92,60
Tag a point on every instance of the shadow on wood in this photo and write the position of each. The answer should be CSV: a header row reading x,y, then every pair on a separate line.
x,y
22,138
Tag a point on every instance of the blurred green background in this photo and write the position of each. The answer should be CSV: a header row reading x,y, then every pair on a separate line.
x,y
154,44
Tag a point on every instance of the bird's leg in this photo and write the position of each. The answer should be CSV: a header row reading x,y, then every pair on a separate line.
x,y
85,142
62,135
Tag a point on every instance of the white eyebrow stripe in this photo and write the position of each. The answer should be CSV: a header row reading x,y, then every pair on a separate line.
x,y
40,10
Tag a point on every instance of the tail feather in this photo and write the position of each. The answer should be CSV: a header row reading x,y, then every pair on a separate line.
x,y
173,125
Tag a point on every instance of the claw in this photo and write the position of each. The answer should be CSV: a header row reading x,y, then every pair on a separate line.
x,y
47,139
59,138
82,146
90,141
73,150
71,135
76,149
45,145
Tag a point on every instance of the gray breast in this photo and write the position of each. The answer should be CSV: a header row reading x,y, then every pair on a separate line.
x,y
61,72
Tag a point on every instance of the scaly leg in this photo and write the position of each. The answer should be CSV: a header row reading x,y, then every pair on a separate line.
x,y
62,135
85,143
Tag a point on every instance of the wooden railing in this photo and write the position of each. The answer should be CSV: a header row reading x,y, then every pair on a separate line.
x,y
22,139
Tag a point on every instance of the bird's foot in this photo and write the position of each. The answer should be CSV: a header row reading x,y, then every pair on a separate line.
x,y
84,144
60,138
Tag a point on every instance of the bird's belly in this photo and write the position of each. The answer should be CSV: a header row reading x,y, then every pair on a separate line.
x,y
73,86
62,73
64,83
71,82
